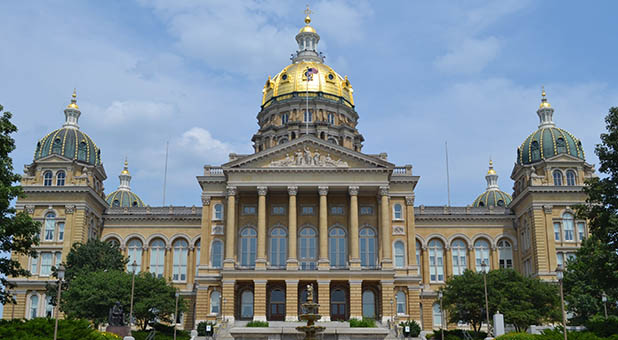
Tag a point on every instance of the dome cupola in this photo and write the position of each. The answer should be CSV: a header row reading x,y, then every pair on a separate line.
x,y
492,196
69,141
123,197
548,140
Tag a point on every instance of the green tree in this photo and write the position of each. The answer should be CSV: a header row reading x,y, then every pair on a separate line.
x,y
18,232
154,299
464,299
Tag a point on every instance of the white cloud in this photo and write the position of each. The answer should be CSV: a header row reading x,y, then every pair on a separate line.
x,y
469,56
121,112
199,141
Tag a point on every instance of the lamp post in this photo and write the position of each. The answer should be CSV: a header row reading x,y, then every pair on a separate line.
x,y
559,276
134,267
604,299
484,269
441,315
176,314
56,309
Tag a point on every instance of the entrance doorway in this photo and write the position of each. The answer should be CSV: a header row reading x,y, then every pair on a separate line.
x,y
338,304
276,303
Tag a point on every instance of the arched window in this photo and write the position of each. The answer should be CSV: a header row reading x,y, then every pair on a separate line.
x,y
338,304
557,178
278,247
437,315
571,178
34,306
505,253
459,256
568,226
114,242
367,248
246,305
397,215
116,204
418,257
198,250
307,252
401,303
60,178
49,308
248,246
216,255
47,178
218,212
157,257
180,261
50,226
481,252
215,302
82,151
561,145
337,247
436,261
399,254
369,304
57,146
332,140
135,254
536,153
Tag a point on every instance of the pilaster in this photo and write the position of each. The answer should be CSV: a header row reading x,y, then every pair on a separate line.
x,y
552,261
228,300
291,300
411,232
205,232
385,228
259,300
354,249
388,300
356,299
414,303
324,299
230,228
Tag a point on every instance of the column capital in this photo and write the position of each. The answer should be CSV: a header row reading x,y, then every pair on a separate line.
x,y
323,190
410,200
292,190
205,199
262,190
384,190
353,190
231,191
68,209
548,208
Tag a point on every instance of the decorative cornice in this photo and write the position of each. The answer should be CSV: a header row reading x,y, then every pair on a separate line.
x,y
262,190
323,190
292,190
353,190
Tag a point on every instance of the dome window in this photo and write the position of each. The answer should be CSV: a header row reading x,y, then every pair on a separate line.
x,y
60,178
331,76
557,178
561,145
308,117
500,203
481,204
570,178
57,147
82,151
331,119
284,118
116,204
536,153
134,204
47,178
284,77
333,141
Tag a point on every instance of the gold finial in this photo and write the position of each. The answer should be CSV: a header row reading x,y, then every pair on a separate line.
x,y
74,93
125,171
544,102
73,104
308,18
491,167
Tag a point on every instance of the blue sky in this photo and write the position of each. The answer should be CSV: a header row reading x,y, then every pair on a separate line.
x,y
192,72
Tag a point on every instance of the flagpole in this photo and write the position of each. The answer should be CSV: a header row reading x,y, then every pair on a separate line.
x,y
307,106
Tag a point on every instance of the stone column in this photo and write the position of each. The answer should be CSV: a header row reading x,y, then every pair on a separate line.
x,y
260,262
259,300
205,232
292,262
448,262
228,300
291,300
411,233
354,255
388,309
387,262
323,263
493,257
356,299
230,228
425,267
324,299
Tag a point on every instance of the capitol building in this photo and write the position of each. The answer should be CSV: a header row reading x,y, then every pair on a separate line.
x,y
307,207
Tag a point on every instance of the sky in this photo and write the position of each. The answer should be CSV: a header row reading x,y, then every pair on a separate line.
x,y
191,73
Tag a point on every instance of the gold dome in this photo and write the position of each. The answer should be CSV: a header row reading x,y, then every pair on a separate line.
x,y
292,79
307,29
73,104
491,170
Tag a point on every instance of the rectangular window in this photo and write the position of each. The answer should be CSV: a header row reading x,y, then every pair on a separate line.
x,y
218,212
569,230
557,231
34,265
60,231
307,210
50,225
581,231
248,210
560,259
366,210
46,264
336,210
278,210
58,259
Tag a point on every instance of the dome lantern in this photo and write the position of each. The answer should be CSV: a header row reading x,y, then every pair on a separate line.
x,y
125,177
545,112
307,39
72,113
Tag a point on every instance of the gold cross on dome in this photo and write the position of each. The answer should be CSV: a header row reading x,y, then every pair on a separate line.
x,y
308,11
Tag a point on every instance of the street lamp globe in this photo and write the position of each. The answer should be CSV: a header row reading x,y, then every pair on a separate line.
x,y
61,270
604,297
559,272
134,266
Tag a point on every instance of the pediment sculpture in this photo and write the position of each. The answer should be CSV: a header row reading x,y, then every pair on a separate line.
x,y
307,158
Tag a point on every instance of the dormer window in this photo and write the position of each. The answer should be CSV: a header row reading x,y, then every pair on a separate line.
x,y
60,178
536,153
47,178
557,178
570,178
57,146
82,151
561,145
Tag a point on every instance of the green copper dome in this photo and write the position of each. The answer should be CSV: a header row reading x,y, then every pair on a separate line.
x,y
548,140
492,196
123,197
69,141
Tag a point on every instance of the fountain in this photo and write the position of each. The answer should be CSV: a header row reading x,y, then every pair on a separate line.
x,y
310,314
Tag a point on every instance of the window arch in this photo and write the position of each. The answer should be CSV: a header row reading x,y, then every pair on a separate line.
x,y
180,260
113,241
34,306
82,151
307,251
397,213
369,304
283,140
481,252
536,153
248,246
216,254
436,261
568,225
399,254
505,254
246,305
561,145
47,178
337,247
135,254
218,211
571,178
557,177
367,248
215,302
157,257
50,226
458,248
278,247
60,178
437,315
333,140
401,302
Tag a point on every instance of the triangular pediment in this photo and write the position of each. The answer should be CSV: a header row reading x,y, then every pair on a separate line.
x,y
563,157
308,152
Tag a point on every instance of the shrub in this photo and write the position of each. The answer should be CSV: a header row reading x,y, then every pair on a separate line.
x,y
201,327
142,335
257,324
459,334
43,329
518,336
362,323
603,327
415,328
